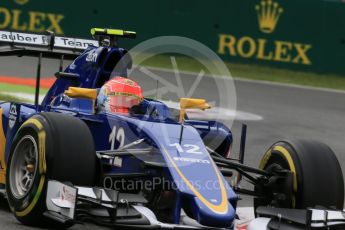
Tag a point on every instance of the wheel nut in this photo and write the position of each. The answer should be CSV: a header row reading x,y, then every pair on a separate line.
x,y
30,168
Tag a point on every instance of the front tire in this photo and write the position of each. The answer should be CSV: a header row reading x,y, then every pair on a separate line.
x,y
48,146
317,178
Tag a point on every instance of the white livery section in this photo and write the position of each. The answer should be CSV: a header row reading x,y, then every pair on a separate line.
x,y
318,220
45,40
61,198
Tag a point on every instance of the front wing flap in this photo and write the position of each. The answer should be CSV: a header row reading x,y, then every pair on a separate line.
x,y
282,218
68,203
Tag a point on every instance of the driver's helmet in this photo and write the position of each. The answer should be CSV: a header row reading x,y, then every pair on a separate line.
x,y
119,95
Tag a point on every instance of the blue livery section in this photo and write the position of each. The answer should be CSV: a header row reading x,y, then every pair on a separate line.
x,y
183,160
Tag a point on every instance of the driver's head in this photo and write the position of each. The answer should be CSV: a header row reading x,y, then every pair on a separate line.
x,y
118,95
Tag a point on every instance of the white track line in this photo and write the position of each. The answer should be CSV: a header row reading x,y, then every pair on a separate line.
x,y
25,96
263,82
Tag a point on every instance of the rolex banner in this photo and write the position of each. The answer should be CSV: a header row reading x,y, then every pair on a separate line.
x,y
307,35
302,35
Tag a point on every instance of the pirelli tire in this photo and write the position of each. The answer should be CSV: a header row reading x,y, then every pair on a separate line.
x,y
317,175
48,146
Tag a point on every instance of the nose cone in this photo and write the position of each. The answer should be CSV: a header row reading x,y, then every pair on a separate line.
x,y
221,217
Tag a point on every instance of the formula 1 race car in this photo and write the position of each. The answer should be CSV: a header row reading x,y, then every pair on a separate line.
x,y
66,161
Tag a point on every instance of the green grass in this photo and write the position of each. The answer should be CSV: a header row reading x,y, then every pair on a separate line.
x,y
10,88
255,72
19,88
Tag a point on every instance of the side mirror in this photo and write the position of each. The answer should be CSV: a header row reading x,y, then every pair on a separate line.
x,y
75,92
192,103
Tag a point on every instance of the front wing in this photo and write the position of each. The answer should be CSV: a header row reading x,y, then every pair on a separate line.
x,y
67,203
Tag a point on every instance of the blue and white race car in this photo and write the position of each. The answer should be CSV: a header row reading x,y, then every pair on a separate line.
x,y
99,152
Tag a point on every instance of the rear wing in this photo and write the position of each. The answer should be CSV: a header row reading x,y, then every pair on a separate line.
x,y
49,45
42,45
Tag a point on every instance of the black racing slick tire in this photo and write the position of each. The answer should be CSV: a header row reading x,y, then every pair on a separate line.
x,y
48,146
317,178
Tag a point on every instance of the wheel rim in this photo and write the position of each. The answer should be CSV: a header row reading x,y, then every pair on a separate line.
x,y
23,167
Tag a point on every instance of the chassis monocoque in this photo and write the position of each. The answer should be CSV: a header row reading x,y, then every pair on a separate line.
x,y
63,161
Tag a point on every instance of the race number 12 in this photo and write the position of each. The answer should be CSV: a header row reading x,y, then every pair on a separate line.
x,y
186,148
117,134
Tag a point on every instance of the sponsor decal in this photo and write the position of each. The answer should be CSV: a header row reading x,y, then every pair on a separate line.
x,y
269,14
64,42
23,38
37,39
92,56
13,115
67,194
30,20
192,160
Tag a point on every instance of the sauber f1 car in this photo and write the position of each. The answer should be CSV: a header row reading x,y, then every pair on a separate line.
x,y
66,161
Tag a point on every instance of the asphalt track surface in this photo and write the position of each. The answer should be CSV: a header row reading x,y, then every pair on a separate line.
x,y
287,112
